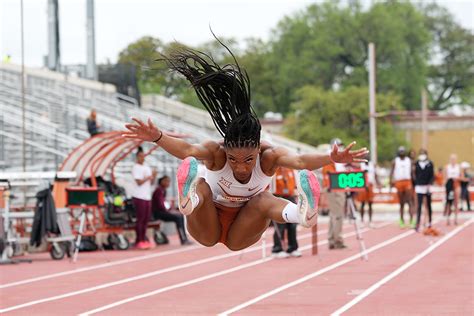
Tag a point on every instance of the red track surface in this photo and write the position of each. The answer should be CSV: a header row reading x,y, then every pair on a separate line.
x,y
196,280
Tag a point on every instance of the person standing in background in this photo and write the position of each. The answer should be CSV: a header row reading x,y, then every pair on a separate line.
x,y
336,201
453,175
413,200
439,178
285,187
401,179
144,176
465,185
424,178
367,196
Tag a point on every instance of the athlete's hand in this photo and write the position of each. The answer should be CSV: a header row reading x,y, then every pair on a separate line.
x,y
140,130
347,155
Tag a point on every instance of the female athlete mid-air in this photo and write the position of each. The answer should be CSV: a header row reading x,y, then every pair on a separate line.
x,y
230,204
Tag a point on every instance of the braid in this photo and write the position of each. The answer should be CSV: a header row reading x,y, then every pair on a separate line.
x,y
224,92
244,131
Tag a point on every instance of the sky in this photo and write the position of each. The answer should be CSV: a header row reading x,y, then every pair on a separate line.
x,y
120,22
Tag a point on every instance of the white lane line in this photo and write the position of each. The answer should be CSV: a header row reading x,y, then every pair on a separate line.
x,y
99,266
315,274
405,266
146,275
175,286
200,279
119,262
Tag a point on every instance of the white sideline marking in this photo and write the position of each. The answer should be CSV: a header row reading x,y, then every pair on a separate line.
x,y
123,261
145,275
154,273
98,266
171,287
193,281
314,274
405,266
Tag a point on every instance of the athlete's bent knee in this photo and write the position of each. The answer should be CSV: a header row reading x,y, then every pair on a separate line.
x,y
235,247
207,243
204,239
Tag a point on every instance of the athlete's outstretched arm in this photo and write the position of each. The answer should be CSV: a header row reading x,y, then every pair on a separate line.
x,y
315,161
174,146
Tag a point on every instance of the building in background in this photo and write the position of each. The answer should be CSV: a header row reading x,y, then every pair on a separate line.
x,y
447,133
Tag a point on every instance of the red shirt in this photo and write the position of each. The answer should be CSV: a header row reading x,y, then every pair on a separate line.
x,y
158,200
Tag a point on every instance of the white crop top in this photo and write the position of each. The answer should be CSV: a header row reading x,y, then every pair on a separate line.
x,y
453,171
402,169
227,191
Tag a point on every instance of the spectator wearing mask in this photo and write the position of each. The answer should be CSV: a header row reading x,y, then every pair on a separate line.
x,y
424,178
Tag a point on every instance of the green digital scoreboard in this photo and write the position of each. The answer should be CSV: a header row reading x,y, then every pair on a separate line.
x,y
348,181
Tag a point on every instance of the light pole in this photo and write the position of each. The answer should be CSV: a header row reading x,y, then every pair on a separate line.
x,y
372,112
23,127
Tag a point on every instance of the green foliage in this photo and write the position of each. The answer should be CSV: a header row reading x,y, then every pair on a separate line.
x,y
314,67
321,115
153,75
326,45
262,80
451,72
219,53
142,54
402,44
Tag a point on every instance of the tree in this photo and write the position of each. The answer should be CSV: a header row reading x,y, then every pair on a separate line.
x,y
326,45
218,52
321,115
451,71
313,47
153,75
402,43
142,54
255,60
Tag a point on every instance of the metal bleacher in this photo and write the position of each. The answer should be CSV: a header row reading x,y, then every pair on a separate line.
x,y
56,109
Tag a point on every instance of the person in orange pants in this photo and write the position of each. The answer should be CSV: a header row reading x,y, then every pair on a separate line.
x,y
367,196
401,179
285,187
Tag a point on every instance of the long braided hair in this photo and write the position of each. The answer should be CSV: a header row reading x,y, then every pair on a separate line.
x,y
224,92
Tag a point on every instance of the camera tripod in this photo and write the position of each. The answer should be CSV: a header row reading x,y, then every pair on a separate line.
x,y
354,215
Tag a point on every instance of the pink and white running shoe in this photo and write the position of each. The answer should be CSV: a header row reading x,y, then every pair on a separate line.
x,y
187,177
308,197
